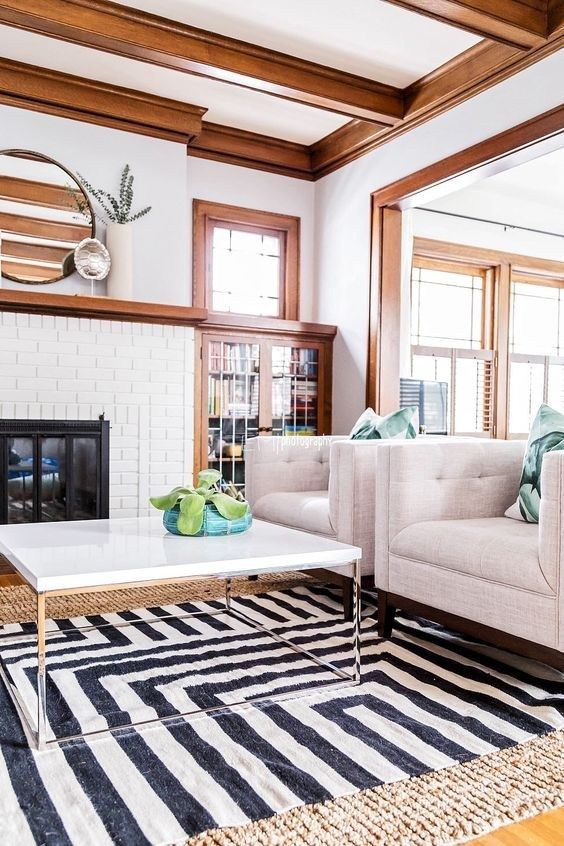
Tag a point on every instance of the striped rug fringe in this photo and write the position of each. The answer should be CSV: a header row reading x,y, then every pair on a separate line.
x,y
441,808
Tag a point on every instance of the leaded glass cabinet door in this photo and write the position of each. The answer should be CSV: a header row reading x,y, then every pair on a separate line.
x,y
233,390
295,389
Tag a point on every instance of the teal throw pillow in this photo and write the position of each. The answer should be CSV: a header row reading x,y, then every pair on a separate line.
x,y
547,435
398,424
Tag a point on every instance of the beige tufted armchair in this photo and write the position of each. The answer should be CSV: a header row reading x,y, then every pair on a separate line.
x,y
323,485
445,550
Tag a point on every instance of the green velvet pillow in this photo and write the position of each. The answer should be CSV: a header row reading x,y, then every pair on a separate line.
x,y
547,435
398,424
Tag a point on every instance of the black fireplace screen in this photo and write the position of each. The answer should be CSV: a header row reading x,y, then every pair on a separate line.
x,y
53,470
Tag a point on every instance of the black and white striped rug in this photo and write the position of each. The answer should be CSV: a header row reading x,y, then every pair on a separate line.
x,y
428,700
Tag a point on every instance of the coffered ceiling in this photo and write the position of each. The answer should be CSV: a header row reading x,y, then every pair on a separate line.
x,y
296,87
365,37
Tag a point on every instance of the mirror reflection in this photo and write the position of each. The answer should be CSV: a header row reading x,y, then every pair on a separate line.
x,y
44,214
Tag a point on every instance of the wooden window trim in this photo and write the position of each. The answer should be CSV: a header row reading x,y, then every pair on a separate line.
x,y
207,214
467,269
503,269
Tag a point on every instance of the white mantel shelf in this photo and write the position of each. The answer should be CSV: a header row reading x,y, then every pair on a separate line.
x,y
101,308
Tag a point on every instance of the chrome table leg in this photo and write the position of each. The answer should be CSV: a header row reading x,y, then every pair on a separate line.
x,y
356,620
41,691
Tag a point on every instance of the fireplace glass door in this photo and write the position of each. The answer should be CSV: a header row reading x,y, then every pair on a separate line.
x,y
57,472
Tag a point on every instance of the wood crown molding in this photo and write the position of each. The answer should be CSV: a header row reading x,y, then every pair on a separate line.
x,y
516,23
30,87
146,37
101,308
250,149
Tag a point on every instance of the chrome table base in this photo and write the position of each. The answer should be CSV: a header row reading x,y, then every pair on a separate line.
x,y
36,729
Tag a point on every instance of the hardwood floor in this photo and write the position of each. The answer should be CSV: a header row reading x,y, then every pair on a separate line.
x,y
543,830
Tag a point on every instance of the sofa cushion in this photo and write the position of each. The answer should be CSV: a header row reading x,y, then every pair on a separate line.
x,y
495,549
306,510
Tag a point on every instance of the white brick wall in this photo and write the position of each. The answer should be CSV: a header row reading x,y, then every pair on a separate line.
x,y
140,375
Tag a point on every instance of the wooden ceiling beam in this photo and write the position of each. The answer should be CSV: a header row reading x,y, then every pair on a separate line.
x,y
555,17
36,227
37,252
139,35
518,24
70,96
34,193
468,74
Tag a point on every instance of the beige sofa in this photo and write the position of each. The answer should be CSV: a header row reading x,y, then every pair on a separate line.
x,y
325,485
445,550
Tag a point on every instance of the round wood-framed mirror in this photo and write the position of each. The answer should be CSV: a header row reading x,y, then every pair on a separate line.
x,y
44,214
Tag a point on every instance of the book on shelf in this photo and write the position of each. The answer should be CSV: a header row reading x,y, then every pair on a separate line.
x,y
232,358
227,397
299,430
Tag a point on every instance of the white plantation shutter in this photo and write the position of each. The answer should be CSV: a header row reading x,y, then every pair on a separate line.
x,y
469,376
533,379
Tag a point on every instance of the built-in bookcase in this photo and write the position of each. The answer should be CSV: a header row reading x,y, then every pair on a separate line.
x,y
255,385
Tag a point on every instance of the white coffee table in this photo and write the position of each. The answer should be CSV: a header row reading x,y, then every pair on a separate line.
x,y
58,559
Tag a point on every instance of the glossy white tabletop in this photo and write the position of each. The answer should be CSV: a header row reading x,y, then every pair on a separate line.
x,y
89,553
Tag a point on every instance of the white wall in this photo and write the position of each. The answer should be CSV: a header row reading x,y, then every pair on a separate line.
x,y
239,186
342,211
160,256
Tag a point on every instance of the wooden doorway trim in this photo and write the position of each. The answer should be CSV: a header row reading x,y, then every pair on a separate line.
x,y
515,146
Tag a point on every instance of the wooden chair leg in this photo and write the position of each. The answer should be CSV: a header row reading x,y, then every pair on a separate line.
x,y
348,599
386,615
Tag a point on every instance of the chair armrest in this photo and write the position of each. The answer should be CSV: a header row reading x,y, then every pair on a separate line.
x,y
354,467
452,480
551,528
286,464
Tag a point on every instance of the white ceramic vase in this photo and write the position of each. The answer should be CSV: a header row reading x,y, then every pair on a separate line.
x,y
119,241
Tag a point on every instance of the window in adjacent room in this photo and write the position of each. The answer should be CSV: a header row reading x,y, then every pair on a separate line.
x,y
536,348
451,340
245,261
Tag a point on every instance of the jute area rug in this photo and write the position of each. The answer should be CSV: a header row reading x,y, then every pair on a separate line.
x,y
440,808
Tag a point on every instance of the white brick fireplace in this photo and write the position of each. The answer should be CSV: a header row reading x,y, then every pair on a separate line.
x,y
139,375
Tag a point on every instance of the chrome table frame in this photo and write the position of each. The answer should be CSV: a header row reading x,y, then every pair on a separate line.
x,y
36,730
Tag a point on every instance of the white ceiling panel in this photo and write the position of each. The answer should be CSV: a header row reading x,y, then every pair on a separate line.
x,y
227,104
367,37
530,195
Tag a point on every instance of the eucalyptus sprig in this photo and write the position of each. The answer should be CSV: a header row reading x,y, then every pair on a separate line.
x,y
116,209
78,200
192,501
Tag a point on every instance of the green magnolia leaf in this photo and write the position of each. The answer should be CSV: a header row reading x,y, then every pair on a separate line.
x,y
169,500
228,507
207,478
191,514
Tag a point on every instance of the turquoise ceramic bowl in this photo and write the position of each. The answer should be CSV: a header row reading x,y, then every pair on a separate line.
x,y
214,524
